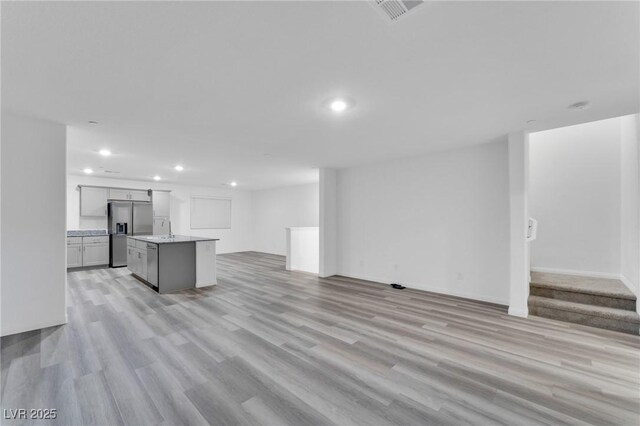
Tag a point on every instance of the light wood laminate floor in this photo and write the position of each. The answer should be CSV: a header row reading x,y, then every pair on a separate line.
x,y
272,347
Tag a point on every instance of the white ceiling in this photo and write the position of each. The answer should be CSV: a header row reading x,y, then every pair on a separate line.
x,y
235,90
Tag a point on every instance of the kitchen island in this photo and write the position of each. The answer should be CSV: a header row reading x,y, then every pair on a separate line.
x,y
171,263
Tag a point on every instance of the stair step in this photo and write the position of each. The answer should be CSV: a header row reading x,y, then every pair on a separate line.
x,y
585,285
581,297
579,313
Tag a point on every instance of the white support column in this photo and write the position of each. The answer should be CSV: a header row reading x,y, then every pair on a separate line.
x,y
34,246
328,223
519,216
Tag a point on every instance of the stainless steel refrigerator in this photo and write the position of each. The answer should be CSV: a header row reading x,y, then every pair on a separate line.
x,y
126,219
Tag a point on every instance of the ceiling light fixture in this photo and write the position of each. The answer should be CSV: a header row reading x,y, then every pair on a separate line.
x,y
156,177
338,105
93,122
234,183
105,152
88,171
179,168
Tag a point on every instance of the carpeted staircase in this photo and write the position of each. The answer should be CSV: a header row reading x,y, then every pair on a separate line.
x,y
596,302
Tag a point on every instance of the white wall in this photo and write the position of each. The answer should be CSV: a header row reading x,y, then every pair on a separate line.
x,y
238,238
575,196
630,204
33,241
519,247
437,223
273,210
328,238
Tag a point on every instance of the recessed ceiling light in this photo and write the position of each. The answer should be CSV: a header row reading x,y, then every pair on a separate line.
x,y
338,105
531,121
88,171
93,122
105,152
179,168
578,106
234,183
157,177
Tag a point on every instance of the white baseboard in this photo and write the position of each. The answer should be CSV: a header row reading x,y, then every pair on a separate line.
x,y
522,312
439,290
35,326
590,274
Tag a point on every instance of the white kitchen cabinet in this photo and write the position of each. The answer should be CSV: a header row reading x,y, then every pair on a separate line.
x,y
161,203
132,258
95,254
119,194
139,195
87,251
161,226
98,239
74,255
143,263
205,263
129,194
74,252
137,261
93,201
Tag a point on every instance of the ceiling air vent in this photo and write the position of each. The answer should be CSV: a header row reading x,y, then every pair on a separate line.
x,y
395,9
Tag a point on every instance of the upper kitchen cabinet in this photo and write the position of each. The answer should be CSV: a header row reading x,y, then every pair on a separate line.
x,y
137,195
118,194
161,204
161,226
93,201
129,194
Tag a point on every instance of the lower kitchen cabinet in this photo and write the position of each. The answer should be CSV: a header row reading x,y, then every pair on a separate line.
x,y
132,258
74,255
87,251
95,254
137,261
143,263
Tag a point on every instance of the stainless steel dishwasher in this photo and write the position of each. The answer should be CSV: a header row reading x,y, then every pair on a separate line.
x,y
152,264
